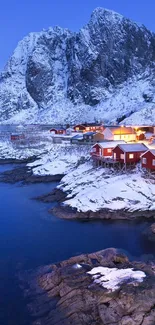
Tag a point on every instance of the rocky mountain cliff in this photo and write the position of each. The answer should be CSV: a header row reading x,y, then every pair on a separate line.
x,y
105,72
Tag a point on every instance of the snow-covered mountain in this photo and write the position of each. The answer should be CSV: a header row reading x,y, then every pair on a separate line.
x,y
105,72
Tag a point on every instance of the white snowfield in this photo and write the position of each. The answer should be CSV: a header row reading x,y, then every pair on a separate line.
x,y
113,278
9,150
60,159
93,189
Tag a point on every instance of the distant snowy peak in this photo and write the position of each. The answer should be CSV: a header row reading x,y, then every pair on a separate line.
x,y
104,72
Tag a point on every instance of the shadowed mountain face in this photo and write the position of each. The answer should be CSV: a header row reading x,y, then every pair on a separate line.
x,y
105,71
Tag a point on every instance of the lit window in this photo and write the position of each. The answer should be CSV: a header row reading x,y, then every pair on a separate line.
x,y
131,156
122,156
90,137
144,160
153,162
109,150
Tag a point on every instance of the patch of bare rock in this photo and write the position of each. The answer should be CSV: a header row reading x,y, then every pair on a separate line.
x,y
67,294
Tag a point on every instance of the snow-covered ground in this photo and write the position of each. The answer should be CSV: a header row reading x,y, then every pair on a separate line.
x,y
60,159
10,151
93,189
112,278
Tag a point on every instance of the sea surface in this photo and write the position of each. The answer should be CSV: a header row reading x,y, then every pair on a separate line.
x,y
31,237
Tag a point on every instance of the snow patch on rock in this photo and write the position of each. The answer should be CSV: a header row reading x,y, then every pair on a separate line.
x,y
113,278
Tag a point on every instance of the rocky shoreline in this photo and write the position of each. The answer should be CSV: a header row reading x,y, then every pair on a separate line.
x,y
65,212
66,294
25,174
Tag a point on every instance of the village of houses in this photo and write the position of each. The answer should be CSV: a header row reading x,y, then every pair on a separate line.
x,y
120,147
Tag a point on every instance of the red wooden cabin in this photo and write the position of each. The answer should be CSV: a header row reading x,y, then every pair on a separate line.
x,y
129,153
15,137
148,159
104,149
58,131
86,127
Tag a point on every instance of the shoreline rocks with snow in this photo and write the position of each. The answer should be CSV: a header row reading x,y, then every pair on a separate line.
x,y
25,175
66,212
98,288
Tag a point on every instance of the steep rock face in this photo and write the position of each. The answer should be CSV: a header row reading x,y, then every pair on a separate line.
x,y
57,75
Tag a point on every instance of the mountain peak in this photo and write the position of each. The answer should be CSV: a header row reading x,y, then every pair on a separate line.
x,y
99,73
105,14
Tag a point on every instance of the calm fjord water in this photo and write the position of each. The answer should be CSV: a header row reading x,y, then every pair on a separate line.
x,y
30,237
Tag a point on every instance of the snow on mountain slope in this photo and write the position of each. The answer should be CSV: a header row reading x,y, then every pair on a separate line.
x,y
104,72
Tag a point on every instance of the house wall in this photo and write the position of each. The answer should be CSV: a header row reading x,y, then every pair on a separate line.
x,y
79,128
149,158
117,151
125,137
127,159
98,137
101,151
108,134
136,157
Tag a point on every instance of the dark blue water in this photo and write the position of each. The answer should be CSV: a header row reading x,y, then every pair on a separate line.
x,y
30,237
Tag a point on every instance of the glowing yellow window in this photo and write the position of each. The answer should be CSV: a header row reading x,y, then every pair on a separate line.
x,y
131,156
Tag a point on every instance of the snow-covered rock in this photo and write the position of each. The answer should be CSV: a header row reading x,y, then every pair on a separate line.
x,y
60,159
113,278
94,189
104,72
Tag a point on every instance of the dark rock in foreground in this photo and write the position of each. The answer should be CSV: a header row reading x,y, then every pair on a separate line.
x,y
65,293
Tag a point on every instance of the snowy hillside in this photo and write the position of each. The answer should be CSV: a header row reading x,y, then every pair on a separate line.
x,y
95,189
104,72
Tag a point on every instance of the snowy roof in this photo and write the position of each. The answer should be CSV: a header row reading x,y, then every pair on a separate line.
x,y
133,147
149,150
78,136
57,128
109,144
121,130
90,133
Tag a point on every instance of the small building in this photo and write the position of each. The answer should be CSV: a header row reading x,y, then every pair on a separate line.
x,y
77,139
69,131
58,130
104,149
129,153
120,133
17,137
148,159
86,127
92,137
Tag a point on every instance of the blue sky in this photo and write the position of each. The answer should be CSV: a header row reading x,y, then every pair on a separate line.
x,y
19,17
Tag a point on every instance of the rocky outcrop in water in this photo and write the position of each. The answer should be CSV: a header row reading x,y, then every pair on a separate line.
x,y
67,294
59,76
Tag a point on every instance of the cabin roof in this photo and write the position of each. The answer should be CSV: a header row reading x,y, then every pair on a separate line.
x,y
78,136
116,130
134,147
109,144
58,128
149,150
90,133
88,124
